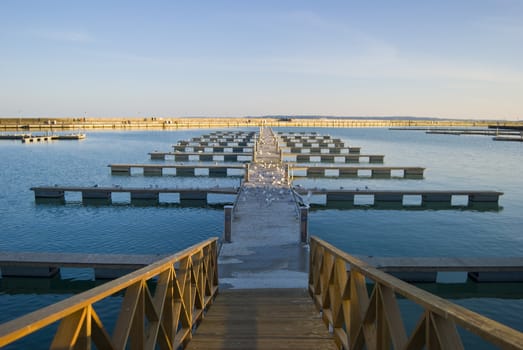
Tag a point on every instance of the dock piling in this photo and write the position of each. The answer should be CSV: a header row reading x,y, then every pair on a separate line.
x,y
304,223
228,223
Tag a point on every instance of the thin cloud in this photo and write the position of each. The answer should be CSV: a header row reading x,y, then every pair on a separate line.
x,y
65,36
503,25
376,67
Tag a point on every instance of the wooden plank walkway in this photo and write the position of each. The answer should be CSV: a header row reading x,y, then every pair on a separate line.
x,y
263,302
262,319
265,250
238,149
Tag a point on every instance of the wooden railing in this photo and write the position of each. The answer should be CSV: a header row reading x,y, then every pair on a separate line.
x,y
184,285
338,284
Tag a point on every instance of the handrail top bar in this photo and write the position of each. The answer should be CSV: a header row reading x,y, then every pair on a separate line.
x,y
470,320
26,324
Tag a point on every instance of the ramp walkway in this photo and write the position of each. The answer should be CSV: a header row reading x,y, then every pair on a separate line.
x,y
262,319
265,233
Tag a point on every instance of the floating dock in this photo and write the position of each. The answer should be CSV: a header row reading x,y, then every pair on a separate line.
x,y
141,194
14,136
509,139
38,264
426,196
331,158
425,269
196,169
211,149
203,156
300,170
46,138
321,150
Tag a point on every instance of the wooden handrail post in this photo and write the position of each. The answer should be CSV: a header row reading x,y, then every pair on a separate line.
x,y
304,223
227,223
246,179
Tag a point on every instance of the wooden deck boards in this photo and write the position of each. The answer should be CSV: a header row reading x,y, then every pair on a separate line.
x,y
262,319
264,251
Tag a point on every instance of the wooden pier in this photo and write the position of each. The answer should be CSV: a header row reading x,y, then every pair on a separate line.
x,y
265,225
34,138
355,171
508,138
181,169
321,150
399,196
425,269
15,136
203,156
262,319
38,264
136,193
216,143
211,149
331,158
481,132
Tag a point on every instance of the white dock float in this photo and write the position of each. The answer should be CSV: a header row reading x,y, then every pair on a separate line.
x,y
136,194
301,170
219,170
331,158
397,196
183,156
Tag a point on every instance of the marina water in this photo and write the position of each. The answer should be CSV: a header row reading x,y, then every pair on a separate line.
x,y
452,163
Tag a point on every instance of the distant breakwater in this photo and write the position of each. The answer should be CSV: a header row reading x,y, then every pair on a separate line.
x,y
57,124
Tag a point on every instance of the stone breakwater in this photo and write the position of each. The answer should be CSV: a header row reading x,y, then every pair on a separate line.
x,y
56,124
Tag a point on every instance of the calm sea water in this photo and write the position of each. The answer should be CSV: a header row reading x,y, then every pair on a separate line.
x,y
452,162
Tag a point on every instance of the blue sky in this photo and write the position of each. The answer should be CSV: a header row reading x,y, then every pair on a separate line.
x,y
459,59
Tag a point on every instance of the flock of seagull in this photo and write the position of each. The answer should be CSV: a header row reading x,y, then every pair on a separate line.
x,y
268,181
